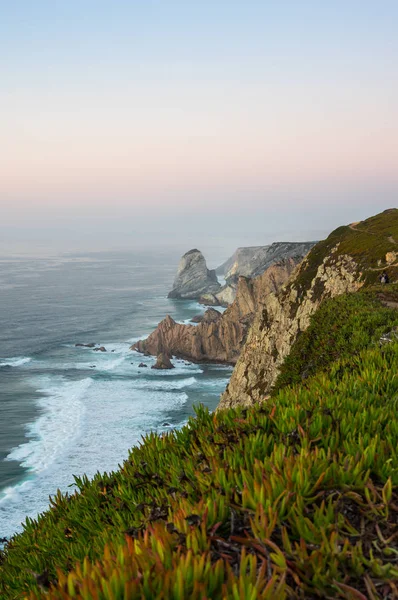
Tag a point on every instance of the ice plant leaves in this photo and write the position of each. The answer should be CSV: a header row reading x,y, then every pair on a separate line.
x,y
296,498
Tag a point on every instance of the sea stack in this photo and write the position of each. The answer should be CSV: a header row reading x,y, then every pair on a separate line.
x,y
193,278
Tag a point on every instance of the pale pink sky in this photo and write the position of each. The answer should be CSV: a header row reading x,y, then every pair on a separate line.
x,y
252,109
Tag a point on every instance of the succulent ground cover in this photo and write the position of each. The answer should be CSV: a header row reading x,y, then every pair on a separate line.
x,y
295,498
367,243
340,328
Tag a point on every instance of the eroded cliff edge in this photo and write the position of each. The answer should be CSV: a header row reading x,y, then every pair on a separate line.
x,y
352,256
219,337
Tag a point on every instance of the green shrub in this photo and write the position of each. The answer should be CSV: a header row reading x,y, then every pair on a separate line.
x,y
296,498
340,328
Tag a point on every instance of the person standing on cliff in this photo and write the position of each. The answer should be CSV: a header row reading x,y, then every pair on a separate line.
x,y
384,278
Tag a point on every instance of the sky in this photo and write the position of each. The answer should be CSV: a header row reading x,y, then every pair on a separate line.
x,y
208,123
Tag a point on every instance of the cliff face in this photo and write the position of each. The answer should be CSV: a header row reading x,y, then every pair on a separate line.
x,y
218,338
254,260
193,278
350,257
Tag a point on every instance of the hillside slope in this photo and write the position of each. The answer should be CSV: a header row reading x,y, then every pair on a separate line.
x,y
351,257
296,498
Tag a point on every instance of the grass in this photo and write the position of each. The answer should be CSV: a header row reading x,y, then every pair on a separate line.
x,y
367,243
296,498
341,327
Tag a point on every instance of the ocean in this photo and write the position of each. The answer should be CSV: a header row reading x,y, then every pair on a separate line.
x,y
67,410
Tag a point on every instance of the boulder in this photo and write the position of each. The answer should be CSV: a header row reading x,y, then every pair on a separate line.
x,y
91,345
193,278
100,349
163,362
209,300
142,365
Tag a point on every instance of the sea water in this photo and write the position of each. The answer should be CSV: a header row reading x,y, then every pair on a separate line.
x,y
67,410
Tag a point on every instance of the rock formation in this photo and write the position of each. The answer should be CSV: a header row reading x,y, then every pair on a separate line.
x,y
342,263
218,337
253,260
193,278
224,297
163,362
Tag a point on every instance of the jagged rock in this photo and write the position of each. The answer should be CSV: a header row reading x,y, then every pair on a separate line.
x,y
211,316
209,300
163,362
142,365
253,260
338,265
91,345
100,349
197,319
226,295
193,278
218,337
276,327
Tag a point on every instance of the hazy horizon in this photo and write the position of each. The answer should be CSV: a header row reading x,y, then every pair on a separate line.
x,y
178,124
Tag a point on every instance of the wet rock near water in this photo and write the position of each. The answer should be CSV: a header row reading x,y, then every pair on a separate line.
x,y
163,362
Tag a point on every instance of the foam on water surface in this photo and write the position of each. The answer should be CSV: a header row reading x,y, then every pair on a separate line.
x,y
16,361
88,417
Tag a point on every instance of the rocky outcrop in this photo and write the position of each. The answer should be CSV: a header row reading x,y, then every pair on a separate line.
x,y
163,362
193,278
218,337
276,327
254,260
224,297
351,257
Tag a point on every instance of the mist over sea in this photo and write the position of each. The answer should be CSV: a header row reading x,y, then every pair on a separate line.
x,y
66,410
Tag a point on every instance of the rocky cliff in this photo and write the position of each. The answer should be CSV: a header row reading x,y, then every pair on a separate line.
x,y
193,278
218,338
253,260
351,257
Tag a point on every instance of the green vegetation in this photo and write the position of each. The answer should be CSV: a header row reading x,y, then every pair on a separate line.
x,y
366,242
340,328
296,498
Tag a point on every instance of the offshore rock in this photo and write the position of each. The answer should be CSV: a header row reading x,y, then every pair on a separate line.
x,y
163,362
218,337
193,278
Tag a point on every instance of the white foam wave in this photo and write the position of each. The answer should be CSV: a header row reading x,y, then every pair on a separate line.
x,y
16,361
57,426
164,385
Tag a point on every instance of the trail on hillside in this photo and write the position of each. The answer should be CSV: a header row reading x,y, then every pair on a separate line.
x,y
390,239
